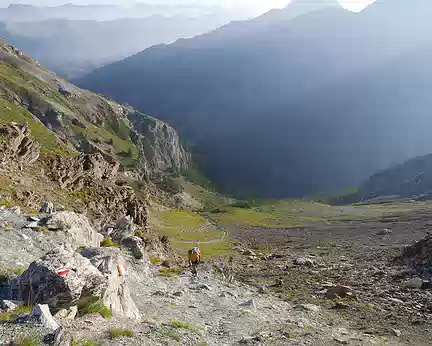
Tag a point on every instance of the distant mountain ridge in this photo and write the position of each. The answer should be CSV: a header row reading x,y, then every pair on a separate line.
x,y
30,13
284,106
75,47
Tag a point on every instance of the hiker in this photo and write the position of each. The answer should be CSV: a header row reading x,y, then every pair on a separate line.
x,y
194,258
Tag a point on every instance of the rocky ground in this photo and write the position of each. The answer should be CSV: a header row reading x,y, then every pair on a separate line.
x,y
391,298
322,286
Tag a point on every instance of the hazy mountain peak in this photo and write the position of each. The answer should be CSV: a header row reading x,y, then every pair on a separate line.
x,y
299,7
314,4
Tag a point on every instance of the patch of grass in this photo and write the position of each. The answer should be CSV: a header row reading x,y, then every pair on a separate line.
x,y
181,325
115,333
208,251
12,315
7,273
109,243
95,307
168,333
86,343
155,260
170,272
29,341
179,220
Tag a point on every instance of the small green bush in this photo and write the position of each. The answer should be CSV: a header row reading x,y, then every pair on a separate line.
x,y
95,307
109,243
119,333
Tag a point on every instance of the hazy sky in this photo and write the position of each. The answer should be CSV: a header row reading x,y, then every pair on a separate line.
x,y
261,5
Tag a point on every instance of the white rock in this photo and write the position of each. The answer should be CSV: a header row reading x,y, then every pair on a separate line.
x,y
10,305
33,224
413,283
42,314
75,226
303,261
72,312
205,287
308,307
16,210
396,332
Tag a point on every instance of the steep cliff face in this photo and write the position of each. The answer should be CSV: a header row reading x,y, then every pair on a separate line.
x,y
159,144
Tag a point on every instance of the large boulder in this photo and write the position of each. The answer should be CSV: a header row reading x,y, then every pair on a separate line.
x,y
61,279
116,296
76,227
64,278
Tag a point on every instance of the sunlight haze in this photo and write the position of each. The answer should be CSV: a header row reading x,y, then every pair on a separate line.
x,y
258,5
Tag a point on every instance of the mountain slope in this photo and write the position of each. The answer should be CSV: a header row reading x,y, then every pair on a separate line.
x,y
72,48
66,118
281,107
411,179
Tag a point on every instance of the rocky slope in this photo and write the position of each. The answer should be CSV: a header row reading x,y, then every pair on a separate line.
x,y
80,120
79,151
286,97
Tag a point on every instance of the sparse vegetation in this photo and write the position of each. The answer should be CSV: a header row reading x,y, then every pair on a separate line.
x,y
170,272
12,315
95,307
155,260
168,333
109,243
86,343
30,340
181,325
119,333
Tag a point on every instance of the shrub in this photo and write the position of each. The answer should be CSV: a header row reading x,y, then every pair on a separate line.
x,y
119,333
95,307
109,243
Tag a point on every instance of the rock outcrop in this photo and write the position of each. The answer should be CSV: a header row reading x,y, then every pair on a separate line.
x,y
419,256
116,296
61,279
81,171
76,228
16,145
159,144
96,178
64,278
